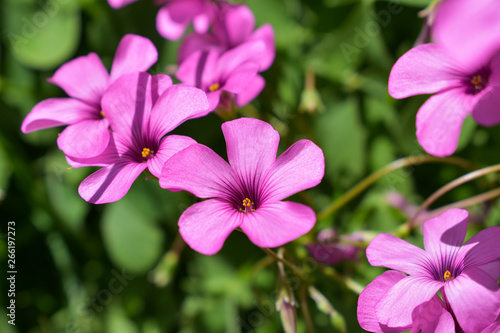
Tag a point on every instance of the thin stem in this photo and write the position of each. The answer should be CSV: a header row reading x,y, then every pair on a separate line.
x,y
398,164
348,282
305,310
296,270
448,187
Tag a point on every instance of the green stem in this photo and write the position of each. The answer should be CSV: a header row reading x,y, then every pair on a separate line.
x,y
448,187
348,282
398,164
296,270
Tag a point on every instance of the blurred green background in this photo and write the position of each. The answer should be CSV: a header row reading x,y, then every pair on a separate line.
x,y
120,267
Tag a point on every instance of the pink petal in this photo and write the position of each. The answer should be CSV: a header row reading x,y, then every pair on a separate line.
x,y
119,3
111,183
493,328
300,167
87,138
84,78
425,69
440,119
275,224
445,234
169,146
475,299
390,251
213,99
482,248
199,69
239,79
236,25
134,54
265,58
452,28
233,59
197,42
176,105
205,225
199,170
109,156
432,317
251,147
486,112
253,90
492,268
173,18
55,112
128,102
371,295
395,309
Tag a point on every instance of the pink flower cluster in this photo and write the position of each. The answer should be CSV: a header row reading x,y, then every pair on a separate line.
x,y
224,54
465,275
461,68
120,122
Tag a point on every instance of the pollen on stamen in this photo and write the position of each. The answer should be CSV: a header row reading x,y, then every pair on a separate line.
x,y
214,87
248,206
102,114
146,152
447,276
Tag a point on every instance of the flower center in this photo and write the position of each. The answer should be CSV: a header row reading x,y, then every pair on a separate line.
x,y
248,206
214,87
147,153
102,114
447,276
478,81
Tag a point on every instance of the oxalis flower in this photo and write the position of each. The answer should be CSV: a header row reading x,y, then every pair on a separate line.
x,y
465,275
85,79
140,109
247,192
461,89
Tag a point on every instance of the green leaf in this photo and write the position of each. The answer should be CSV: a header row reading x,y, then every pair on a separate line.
x,y
131,237
44,36
341,135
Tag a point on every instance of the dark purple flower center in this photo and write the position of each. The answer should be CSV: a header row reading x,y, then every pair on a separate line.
x,y
248,206
478,81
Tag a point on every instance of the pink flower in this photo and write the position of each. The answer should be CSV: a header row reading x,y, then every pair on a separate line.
x,y
233,26
466,275
230,72
330,251
120,3
85,79
459,90
175,16
247,192
140,109
230,58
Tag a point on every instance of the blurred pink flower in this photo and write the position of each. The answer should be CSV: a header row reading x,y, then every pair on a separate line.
x,y
466,275
248,192
85,79
229,58
460,89
330,251
140,109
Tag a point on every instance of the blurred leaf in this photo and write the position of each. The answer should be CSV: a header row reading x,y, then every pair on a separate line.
x,y
43,36
342,137
131,237
117,321
412,3
467,133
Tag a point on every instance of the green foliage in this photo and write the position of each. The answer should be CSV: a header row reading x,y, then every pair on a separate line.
x,y
70,252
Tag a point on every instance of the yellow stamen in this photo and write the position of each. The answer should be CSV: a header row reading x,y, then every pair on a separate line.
x,y
214,87
477,80
247,202
102,114
146,152
447,276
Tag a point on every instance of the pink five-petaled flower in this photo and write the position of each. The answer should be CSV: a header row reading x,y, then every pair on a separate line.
x,y
85,79
140,109
247,192
461,89
466,275
229,72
